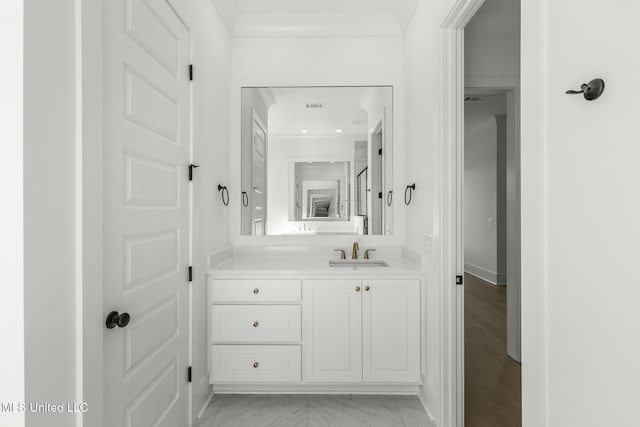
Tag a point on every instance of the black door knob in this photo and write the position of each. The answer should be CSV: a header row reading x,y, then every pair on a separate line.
x,y
116,319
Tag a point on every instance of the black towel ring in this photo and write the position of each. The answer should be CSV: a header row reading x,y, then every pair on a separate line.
x,y
389,198
225,198
409,190
245,199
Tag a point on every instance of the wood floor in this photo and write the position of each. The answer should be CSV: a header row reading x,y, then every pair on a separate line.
x,y
492,379
314,410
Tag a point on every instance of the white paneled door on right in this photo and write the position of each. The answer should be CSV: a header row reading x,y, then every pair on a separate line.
x,y
146,213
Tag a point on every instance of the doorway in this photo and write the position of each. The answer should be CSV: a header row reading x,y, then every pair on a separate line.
x,y
492,391
450,258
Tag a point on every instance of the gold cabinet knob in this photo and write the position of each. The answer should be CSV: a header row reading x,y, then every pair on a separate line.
x,y
256,364
255,324
357,288
366,288
256,290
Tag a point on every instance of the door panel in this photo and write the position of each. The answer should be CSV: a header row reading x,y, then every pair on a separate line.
x,y
146,218
259,178
332,330
391,330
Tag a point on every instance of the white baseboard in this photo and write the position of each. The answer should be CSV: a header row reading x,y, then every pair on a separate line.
x,y
206,403
484,274
372,389
426,409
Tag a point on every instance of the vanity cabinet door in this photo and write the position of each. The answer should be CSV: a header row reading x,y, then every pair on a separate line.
x,y
391,330
332,330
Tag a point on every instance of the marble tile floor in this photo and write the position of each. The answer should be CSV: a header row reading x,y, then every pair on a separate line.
x,y
314,410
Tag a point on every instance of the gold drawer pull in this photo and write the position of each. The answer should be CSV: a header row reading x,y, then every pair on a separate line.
x,y
256,364
255,324
366,288
357,288
256,290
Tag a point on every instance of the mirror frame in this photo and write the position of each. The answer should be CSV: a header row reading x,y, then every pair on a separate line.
x,y
237,238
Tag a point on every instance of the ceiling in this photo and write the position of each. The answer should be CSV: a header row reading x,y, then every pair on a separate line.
x,y
315,17
341,110
303,7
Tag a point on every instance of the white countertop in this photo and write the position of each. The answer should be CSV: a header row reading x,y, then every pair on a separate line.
x,y
306,266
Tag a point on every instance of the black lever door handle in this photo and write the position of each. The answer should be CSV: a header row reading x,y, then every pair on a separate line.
x,y
591,91
116,319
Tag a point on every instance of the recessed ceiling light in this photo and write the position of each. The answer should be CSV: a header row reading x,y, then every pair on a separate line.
x,y
339,130
304,131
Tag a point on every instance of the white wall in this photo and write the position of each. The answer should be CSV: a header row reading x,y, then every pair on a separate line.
x,y
212,59
50,206
11,187
212,68
422,77
315,61
283,150
580,215
492,43
481,186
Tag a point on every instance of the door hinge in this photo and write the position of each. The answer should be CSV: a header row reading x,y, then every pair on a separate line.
x,y
191,168
189,374
190,273
459,280
190,72
380,151
380,195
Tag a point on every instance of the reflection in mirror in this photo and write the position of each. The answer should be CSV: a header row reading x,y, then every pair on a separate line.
x,y
316,160
321,191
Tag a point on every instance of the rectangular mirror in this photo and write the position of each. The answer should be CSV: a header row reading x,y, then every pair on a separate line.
x,y
317,160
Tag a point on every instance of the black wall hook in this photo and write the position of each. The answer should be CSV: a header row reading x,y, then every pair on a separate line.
x,y
409,192
591,90
225,194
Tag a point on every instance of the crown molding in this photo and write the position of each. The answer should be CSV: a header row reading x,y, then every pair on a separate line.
x,y
317,25
242,24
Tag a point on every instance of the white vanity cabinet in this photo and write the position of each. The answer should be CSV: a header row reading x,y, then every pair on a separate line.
x,y
361,331
340,333
255,330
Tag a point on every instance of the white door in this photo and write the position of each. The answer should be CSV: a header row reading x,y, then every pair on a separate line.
x,y
332,330
391,330
259,178
146,220
377,185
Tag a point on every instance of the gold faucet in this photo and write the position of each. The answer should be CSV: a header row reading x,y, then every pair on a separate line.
x,y
354,254
366,253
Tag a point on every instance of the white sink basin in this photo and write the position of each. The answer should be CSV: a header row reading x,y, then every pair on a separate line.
x,y
358,263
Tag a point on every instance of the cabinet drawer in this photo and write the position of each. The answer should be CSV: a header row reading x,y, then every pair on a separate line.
x,y
256,290
256,363
256,323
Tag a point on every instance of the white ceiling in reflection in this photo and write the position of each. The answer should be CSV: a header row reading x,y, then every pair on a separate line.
x,y
341,111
